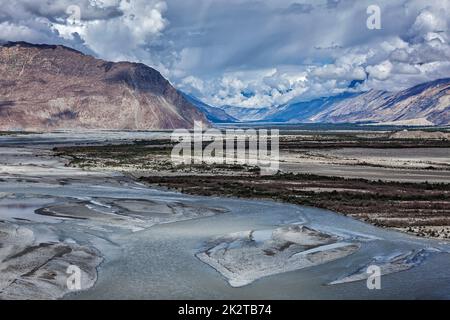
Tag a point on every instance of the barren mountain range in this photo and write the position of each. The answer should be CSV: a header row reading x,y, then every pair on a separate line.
x,y
48,87
213,114
425,104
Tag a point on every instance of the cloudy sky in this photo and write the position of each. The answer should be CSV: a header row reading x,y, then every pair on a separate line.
x,y
250,53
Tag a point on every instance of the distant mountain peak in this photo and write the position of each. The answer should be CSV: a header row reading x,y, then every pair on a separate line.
x,y
355,83
25,44
424,103
427,103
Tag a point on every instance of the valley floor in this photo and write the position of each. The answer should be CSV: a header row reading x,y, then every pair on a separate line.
x,y
379,177
82,200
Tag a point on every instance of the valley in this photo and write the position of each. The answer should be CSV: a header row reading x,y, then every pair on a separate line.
x,y
81,203
377,177
225,150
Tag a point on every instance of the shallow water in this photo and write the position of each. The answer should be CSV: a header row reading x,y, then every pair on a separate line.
x,y
164,266
159,262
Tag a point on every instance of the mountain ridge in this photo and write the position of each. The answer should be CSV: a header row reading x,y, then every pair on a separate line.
x,y
423,104
426,103
213,114
49,87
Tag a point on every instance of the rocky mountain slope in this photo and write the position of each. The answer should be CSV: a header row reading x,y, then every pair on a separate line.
x,y
303,111
248,114
424,104
47,87
213,114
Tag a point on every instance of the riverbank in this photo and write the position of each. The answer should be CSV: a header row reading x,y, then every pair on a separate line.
x,y
421,209
381,178
160,244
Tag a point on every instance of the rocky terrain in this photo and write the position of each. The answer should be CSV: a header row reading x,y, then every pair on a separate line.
x,y
213,114
426,104
48,87
248,114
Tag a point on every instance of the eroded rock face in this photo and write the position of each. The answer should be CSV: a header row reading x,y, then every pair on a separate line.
x,y
44,87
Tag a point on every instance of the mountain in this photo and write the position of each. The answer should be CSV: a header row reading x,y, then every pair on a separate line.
x,y
213,114
424,104
303,111
248,114
47,87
